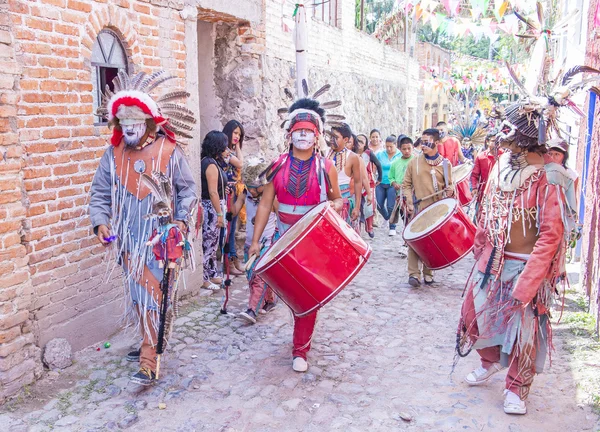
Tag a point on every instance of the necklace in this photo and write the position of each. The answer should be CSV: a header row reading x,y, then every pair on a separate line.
x,y
434,160
340,162
299,175
518,161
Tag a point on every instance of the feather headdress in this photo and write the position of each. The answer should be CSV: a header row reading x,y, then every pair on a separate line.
x,y
130,99
535,115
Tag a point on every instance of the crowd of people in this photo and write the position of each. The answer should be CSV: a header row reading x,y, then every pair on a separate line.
x,y
144,200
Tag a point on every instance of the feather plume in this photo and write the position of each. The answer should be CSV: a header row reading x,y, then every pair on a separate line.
x,y
137,79
178,132
321,91
576,70
173,96
124,79
176,107
530,25
288,93
149,79
540,13
117,84
334,123
336,117
151,184
179,116
516,80
595,90
522,36
159,81
305,88
331,104
282,111
180,125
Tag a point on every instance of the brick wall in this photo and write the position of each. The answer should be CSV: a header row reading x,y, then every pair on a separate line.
x,y
51,149
19,357
590,252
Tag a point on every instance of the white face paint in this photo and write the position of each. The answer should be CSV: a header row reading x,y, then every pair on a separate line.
x,y
303,139
133,133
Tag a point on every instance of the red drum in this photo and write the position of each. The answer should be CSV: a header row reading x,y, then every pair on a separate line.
x,y
461,175
314,260
442,234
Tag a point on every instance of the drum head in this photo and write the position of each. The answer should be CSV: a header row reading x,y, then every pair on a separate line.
x,y
430,218
290,235
461,172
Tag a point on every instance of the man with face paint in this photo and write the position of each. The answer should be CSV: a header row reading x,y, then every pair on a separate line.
x,y
347,164
428,178
300,180
126,208
449,147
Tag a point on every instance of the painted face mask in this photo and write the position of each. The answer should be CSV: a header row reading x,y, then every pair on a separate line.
x,y
133,133
303,140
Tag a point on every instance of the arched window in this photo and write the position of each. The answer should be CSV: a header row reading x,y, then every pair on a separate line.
x,y
108,58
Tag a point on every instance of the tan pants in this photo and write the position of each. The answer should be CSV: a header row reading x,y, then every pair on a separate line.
x,y
148,349
414,265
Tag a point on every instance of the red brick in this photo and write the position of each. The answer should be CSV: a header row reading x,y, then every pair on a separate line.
x,y
57,158
141,8
79,6
45,12
10,334
54,86
56,133
37,172
41,122
48,265
35,98
9,281
66,29
59,3
41,147
35,197
10,183
10,240
37,257
10,166
64,98
32,184
64,74
69,121
9,226
52,62
65,52
38,24
57,183
10,197
44,220
36,210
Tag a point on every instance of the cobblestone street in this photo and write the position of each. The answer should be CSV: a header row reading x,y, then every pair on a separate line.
x,y
381,360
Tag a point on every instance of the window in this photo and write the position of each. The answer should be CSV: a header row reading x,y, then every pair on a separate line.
x,y
326,11
108,58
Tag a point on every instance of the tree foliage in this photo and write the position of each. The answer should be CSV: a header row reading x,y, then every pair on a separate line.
x,y
375,12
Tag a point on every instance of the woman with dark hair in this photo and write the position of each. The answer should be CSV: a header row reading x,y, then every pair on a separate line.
x,y
235,134
374,172
214,181
353,145
375,144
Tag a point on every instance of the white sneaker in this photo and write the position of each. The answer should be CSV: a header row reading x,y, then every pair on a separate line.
x,y
392,232
299,364
513,403
481,375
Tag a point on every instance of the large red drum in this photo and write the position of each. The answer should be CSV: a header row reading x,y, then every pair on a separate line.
x,y
314,260
442,234
461,175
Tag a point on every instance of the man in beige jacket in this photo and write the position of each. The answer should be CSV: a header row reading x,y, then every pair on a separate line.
x,y
428,179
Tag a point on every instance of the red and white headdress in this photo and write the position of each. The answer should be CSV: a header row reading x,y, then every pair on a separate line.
x,y
130,101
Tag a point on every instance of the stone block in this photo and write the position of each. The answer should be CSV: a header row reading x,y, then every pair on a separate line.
x,y
57,354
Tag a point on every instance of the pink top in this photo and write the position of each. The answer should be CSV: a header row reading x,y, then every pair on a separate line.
x,y
291,209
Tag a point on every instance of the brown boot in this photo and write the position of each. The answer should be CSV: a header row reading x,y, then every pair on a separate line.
x,y
234,266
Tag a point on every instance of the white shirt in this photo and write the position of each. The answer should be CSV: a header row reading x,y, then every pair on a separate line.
x,y
251,207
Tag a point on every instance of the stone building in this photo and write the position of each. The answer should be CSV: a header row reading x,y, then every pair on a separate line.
x,y
435,61
234,56
588,160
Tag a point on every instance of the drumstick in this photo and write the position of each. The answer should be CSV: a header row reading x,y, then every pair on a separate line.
x,y
250,262
429,196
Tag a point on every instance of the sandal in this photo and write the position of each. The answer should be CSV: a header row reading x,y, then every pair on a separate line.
x,y
211,287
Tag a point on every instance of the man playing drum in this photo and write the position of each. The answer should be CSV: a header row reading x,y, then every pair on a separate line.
x,y
300,180
428,179
519,249
347,165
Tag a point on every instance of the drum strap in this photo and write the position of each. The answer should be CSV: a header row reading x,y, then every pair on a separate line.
x,y
322,182
445,167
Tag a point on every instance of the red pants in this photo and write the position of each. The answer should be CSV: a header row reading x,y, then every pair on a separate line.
x,y
304,328
259,293
521,367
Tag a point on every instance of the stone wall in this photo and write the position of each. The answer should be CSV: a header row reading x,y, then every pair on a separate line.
x,y
590,251
54,274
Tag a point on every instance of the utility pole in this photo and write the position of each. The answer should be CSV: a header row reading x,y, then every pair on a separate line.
x,y
301,42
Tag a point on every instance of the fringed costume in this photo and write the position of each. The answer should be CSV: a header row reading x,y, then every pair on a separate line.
x,y
138,192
